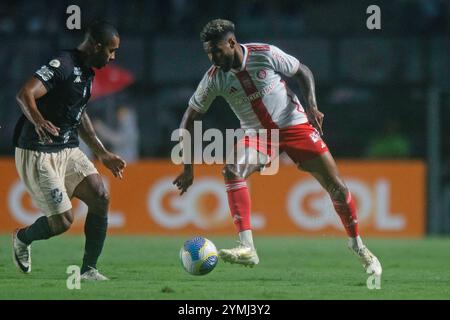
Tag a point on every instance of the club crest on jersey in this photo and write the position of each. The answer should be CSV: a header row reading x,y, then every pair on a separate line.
x,y
261,74
78,73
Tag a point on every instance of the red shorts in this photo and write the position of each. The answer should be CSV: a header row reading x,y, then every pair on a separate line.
x,y
301,142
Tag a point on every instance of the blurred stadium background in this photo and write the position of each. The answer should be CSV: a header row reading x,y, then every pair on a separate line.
x,y
385,94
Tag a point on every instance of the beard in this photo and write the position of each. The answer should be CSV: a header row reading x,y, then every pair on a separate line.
x,y
227,65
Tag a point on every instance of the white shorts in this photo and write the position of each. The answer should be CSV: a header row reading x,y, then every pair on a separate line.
x,y
51,178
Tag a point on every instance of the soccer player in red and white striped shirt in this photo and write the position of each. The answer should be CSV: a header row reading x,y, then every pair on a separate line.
x,y
248,77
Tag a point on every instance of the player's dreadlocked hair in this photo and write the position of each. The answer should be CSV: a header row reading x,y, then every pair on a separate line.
x,y
101,32
216,30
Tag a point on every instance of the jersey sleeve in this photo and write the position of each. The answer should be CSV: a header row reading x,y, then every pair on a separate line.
x,y
55,71
283,62
205,93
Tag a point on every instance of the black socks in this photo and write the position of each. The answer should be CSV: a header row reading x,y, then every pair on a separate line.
x,y
39,230
95,229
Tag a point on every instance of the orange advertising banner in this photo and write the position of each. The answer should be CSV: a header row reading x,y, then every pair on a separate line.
x,y
390,199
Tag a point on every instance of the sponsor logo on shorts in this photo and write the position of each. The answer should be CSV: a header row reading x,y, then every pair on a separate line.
x,y
57,195
315,136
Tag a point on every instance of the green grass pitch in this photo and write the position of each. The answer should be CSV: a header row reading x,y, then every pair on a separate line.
x,y
290,268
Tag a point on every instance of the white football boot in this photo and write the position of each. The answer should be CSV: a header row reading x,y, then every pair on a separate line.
x,y
21,253
242,254
370,262
93,275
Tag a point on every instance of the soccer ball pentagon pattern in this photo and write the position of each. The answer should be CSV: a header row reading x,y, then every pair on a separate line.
x,y
198,256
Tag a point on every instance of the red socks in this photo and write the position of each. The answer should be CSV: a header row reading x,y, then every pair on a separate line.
x,y
239,202
347,213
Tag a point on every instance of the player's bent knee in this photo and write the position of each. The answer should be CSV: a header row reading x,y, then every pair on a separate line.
x,y
100,203
338,192
60,223
103,199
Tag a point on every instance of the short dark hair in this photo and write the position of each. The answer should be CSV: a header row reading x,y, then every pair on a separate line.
x,y
101,32
216,30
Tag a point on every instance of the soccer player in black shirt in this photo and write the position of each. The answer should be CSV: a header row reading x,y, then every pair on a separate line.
x,y
48,159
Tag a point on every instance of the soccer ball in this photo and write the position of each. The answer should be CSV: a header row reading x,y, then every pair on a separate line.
x,y
198,256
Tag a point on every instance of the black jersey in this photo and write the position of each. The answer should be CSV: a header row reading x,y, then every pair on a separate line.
x,y
69,87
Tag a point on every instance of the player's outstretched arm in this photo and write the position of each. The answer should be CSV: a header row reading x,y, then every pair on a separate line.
x,y
186,178
305,79
32,90
112,161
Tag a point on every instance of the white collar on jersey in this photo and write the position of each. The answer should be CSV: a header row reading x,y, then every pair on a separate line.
x,y
244,59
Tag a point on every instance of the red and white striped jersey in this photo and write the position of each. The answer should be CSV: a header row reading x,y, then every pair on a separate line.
x,y
256,93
